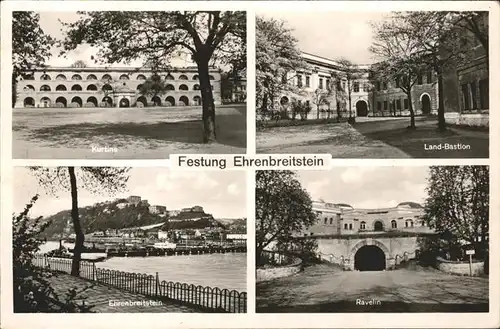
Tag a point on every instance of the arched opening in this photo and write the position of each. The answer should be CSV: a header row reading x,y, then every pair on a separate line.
x,y
92,100
169,77
92,87
141,77
183,77
29,88
183,101
45,102
44,88
196,87
142,100
107,101
29,102
124,77
195,77
378,226
183,87
76,88
45,77
394,224
211,77
76,100
170,101
139,86
61,88
124,102
62,101
170,87
107,88
156,101
106,77
361,109
284,101
76,77
197,100
60,77
369,258
426,104
91,77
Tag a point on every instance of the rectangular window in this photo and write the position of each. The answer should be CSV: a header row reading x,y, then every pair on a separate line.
x,y
326,220
465,97
484,94
384,85
406,103
419,79
365,87
299,81
350,226
339,86
379,106
320,83
429,77
378,85
385,105
331,221
356,86
308,81
328,84
345,226
398,104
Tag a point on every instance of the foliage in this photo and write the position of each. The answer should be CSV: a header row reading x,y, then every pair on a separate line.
x,y
277,58
350,73
31,289
79,64
283,208
301,108
153,86
304,248
30,46
94,179
208,38
457,205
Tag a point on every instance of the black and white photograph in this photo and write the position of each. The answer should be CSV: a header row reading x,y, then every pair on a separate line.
x,y
127,240
373,239
128,84
354,84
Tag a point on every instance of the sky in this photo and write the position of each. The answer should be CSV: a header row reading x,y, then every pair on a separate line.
x,y
367,187
49,22
220,193
332,34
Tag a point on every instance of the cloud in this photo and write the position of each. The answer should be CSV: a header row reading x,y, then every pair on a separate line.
x,y
233,189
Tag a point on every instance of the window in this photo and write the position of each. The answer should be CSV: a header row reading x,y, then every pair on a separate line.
x,y
326,219
473,94
378,85
385,105
397,82
394,224
350,226
484,94
356,86
328,84
308,81
384,85
331,221
343,85
398,104
362,226
419,79
320,83
406,103
339,86
299,81
345,226
465,97
379,106
429,77
365,87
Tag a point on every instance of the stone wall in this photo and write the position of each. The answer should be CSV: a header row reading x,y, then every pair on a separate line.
x,y
468,119
270,273
461,268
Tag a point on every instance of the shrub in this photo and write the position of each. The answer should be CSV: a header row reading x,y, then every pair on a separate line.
x,y
74,105
89,104
139,104
59,105
351,120
103,104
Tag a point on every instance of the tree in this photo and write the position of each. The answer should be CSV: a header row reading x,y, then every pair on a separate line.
x,y
155,37
283,208
457,204
97,180
473,22
350,73
437,42
398,51
32,290
30,46
79,64
153,86
277,61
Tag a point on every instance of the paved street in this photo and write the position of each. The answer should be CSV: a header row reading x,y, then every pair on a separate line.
x,y
110,300
137,133
324,288
373,139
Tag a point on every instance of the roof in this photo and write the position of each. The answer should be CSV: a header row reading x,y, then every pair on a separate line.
x,y
117,69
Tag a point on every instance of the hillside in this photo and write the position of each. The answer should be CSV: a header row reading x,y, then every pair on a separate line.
x,y
234,225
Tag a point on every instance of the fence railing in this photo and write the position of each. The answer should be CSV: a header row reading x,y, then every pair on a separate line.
x,y
205,298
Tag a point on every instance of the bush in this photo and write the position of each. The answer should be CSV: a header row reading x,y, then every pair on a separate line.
x,y
104,104
59,105
139,104
74,105
89,104
351,120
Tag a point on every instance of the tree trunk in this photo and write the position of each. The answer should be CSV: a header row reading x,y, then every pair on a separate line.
x,y
77,251
412,112
441,120
207,99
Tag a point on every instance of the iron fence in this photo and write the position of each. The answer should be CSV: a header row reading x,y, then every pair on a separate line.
x,y
205,298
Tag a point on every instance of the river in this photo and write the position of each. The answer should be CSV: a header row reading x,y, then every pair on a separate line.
x,y
215,270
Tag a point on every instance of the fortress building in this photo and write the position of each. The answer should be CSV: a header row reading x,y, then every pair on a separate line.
x,y
367,239
110,87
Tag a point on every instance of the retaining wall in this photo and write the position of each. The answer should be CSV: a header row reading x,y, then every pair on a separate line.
x,y
461,268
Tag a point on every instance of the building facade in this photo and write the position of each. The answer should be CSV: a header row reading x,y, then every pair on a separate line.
x,y
110,87
367,239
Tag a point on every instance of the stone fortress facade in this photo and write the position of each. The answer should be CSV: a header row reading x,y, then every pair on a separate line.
x,y
367,239
110,87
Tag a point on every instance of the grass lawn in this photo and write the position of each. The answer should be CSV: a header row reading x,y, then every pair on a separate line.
x,y
136,132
